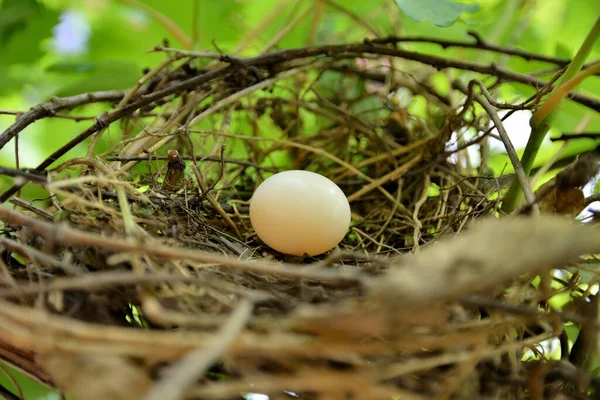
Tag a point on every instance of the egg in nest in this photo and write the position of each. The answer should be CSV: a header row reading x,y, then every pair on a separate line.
x,y
300,212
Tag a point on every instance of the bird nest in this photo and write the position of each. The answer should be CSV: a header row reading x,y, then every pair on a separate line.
x,y
142,277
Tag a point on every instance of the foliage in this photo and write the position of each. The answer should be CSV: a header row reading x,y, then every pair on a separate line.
x,y
440,12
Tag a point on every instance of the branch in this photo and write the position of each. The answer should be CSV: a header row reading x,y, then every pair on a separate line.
x,y
480,44
510,150
200,158
266,61
50,109
32,176
359,50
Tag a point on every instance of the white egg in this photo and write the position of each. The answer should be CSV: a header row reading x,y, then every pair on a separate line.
x,y
300,212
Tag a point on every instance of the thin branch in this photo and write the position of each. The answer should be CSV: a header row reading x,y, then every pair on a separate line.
x,y
358,50
191,54
479,44
149,75
50,109
206,193
30,207
510,150
19,173
200,158
57,115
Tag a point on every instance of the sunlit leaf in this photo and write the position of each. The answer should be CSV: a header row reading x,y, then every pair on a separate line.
x,y
433,190
440,12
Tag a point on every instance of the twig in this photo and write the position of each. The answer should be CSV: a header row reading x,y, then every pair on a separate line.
x,y
200,159
56,115
415,215
350,50
149,75
421,364
221,170
327,383
206,193
30,207
393,175
179,377
510,150
19,173
337,160
556,157
479,44
50,109
244,92
105,120
39,256
192,54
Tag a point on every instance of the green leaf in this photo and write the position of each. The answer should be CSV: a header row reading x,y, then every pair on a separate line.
x,y
31,389
24,24
562,50
103,75
433,190
71,67
440,12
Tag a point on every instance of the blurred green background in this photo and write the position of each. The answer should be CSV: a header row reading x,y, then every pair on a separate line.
x,y
65,47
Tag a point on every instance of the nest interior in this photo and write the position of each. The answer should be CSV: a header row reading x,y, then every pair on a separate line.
x,y
141,276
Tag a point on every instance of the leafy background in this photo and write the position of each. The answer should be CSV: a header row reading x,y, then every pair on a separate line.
x,y
64,47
